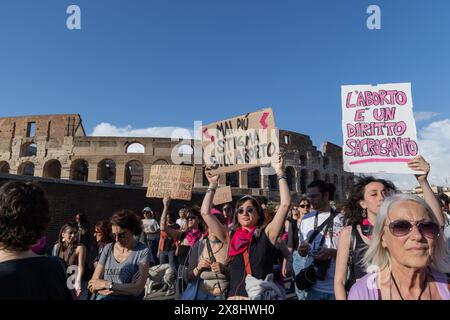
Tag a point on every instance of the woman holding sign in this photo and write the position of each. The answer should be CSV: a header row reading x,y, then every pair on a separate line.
x,y
251,245
365,200
187,239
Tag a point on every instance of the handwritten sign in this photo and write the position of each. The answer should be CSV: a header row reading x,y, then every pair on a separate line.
x,y
172,181
378,128
222,195
243,142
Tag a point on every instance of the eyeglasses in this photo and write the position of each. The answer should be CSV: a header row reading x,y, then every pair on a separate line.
x,y
249,210
401,228
119,235
305,206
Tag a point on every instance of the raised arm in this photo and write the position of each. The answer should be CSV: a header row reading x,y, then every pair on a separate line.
x,y
171,232
273,229
340,273
214,225
419,164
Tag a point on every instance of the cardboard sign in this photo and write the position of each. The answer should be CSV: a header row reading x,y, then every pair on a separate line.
x,y
170,180
222,195
378,128
243,142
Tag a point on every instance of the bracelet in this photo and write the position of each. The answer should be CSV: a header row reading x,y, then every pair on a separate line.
x,y
213,186
211,189
282,177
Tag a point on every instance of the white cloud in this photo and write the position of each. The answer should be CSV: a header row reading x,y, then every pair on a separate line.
x,y
105,129
422,116
434,146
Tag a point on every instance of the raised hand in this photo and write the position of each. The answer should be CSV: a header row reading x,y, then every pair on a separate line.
x,y
419,164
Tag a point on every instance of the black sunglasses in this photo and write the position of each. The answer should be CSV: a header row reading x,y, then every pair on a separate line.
x,y
305,206
401,227
249,210
119,235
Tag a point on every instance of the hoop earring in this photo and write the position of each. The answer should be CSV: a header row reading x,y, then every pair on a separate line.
x,y
364,213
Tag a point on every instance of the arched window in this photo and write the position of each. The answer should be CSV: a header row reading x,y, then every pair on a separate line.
x,y
28,150
134,173
26,169
79,170
290,178
4,167
135,147
303,180
160,161
273,182
52,169
106,171
254,178
233,179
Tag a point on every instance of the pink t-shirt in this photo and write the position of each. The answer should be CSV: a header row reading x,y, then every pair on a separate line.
x,y
366,288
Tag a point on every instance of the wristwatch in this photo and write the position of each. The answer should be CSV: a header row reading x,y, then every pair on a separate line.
x,y
110,287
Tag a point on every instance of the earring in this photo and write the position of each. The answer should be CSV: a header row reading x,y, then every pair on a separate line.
x,y
364,213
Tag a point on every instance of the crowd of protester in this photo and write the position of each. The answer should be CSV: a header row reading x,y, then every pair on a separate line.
x,y
378,245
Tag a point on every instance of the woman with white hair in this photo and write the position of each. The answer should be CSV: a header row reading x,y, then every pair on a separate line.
x,y
407,257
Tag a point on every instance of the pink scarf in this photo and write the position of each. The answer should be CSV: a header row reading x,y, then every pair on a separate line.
x,y
192,236
240,241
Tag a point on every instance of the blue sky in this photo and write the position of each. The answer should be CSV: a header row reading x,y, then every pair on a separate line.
x,y
149,63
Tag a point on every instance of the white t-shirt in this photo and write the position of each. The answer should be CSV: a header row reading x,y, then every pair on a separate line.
x,y
305,230
151,228
182,223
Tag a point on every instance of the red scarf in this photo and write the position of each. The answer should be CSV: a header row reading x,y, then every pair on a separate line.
x,y
192,236
240,241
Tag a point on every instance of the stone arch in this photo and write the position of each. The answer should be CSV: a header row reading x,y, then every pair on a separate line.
x,y
303,180
232,179
254,177
134,173
52,169
79,170
106,171
26,169
290,177
316,175
160,161
28,149
4,167
135,147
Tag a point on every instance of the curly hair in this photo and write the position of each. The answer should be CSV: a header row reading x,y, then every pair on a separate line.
x,y
127,219
353,212
24,215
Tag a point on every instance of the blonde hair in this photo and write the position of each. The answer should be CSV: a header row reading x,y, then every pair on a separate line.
x,y
380,257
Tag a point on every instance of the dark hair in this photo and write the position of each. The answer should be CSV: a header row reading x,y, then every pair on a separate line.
x,y
353,213
321,185
127,219
105,229
24,215
443,198
60,245
255,204
263,200
83,219
195,210
304,198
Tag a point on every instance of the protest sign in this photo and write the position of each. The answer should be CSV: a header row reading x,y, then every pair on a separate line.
x,y
172,181
242,142
222,195
378,128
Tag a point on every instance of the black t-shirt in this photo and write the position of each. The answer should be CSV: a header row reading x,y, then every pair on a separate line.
x,y
37,278
261,256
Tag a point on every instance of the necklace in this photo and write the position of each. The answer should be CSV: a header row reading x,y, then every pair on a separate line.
x,y
398,289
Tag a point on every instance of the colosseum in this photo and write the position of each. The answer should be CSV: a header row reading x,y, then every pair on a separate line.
x,y
56,147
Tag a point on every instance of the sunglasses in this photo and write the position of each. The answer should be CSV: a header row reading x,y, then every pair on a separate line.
x,y
249,210
305,206
119,235
401,228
